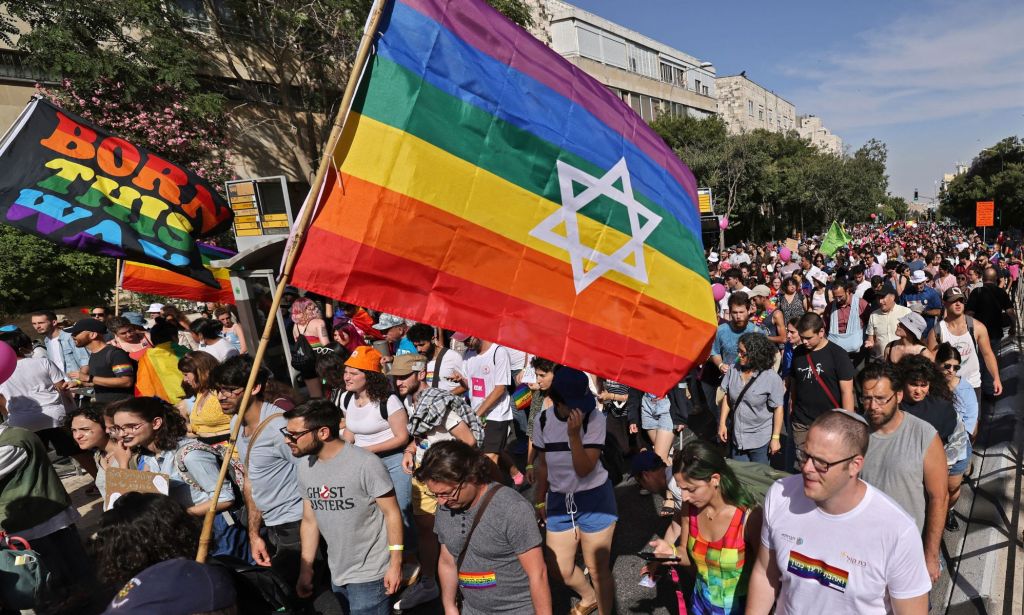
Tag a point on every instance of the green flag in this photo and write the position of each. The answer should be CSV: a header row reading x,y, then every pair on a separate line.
x,y
835,238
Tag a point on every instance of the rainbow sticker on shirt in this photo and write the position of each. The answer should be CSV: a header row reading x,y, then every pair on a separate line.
x,y
122,369
477,580
817,570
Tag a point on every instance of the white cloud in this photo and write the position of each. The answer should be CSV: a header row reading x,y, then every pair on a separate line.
x,y
943,60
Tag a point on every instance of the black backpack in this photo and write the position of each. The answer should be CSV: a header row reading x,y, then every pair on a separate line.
x,y
347,399
611,455
260,590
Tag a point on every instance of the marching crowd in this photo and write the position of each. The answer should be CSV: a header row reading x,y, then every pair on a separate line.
x,y
401,471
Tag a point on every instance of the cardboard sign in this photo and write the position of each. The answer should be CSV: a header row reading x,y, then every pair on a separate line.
x,y
122,480
793,245
985,214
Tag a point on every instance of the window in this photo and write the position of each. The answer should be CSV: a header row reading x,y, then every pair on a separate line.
x,y
704,90
760,113
750,108
696,85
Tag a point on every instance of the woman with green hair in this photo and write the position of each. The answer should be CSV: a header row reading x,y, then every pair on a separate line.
x,y
720,527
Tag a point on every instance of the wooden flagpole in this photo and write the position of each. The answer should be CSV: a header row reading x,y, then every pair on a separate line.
x,y
362,54
117,287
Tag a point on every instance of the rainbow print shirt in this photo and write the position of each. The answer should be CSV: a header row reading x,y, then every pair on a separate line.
x,y
817,570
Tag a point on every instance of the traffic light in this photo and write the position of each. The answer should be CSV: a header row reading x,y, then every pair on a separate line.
x,y
915,195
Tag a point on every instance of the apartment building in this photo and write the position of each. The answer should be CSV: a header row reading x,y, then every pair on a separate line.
x,y
811,128
745,106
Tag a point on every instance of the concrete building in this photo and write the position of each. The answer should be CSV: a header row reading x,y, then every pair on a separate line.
x,y
745,106
652,78
811,129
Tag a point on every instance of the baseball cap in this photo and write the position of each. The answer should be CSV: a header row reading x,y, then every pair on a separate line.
x,y
645,461
366,358
573,387
918,277
887,289
88,324
386,321
953,293
460,337
914,323
155,308
177,586
759,291
405,364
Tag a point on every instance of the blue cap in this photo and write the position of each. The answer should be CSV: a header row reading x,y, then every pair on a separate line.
x,y
573,387
645,461
176,587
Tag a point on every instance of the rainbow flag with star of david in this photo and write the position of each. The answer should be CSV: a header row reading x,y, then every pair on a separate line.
x,y
485,184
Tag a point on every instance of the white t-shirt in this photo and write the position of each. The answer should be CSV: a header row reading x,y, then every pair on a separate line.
x,y
552,437
517,359
55,352
841,564
862,288
366,423
451,361
883,326
222,350
482,373
32,401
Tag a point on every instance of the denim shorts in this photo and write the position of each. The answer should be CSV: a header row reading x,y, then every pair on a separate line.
x,y
958,468
655,414
592,510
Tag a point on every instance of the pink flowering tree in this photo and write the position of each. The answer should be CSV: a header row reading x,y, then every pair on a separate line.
x,y
162,122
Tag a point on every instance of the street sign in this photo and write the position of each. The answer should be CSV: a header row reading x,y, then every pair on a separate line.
x,y
985,214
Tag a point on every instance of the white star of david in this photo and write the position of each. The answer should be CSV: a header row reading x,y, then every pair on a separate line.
x,y
639,230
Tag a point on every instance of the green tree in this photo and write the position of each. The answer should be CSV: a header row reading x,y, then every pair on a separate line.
x,y
35,273
996,174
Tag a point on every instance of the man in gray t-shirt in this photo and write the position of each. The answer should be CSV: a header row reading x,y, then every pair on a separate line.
x,y
349,499
905,459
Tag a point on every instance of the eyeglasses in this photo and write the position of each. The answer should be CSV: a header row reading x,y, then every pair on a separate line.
x,y
951,367
229,392
820,465
99,314
868,402
129,428
294,437
453,494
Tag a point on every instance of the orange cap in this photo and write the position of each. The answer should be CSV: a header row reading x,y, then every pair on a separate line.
x,y
365,358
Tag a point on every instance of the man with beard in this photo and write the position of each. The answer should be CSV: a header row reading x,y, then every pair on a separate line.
x,y
349,499
271,486
490,543
830,541
906,460
60,345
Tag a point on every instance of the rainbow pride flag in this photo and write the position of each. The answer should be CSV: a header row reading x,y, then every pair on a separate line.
x,y
484,184
145,278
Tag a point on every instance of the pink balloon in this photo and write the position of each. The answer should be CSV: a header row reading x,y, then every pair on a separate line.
x,y
723,223
873,216
9,360
717,290
784,254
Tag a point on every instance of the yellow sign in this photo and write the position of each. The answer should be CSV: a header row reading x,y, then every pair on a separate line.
x,y
704,200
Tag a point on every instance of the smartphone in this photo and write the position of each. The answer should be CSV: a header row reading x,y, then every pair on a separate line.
x,y
651,557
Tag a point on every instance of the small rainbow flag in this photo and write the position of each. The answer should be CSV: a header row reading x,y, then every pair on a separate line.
x,y
522,397
145,278
485,184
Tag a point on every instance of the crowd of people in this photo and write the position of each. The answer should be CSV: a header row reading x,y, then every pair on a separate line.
x,y
399,473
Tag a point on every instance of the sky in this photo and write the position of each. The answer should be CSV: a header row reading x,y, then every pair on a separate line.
x,y
936,80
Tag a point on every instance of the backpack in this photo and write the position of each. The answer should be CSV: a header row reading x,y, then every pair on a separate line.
x,y
260,590
235,471
303,357
24,577
346,399
437,366
756,478
611,455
